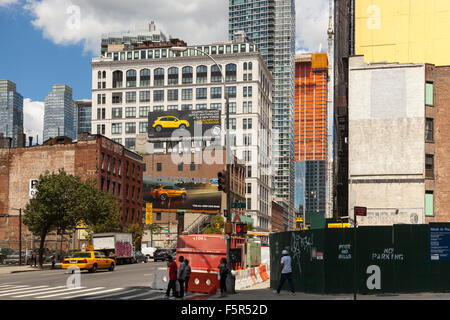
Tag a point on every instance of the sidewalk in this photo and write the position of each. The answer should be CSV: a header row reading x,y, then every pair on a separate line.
x,y
6,269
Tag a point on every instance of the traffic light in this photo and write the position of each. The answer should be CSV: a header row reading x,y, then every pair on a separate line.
x,y
222,181
241,228
228,228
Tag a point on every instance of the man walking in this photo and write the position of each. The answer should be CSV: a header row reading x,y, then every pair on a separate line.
x,y
286,273
181,276
188,276
172,277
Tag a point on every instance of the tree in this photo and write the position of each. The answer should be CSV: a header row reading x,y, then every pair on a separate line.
x,y
63,200
56,205
137,233
216,225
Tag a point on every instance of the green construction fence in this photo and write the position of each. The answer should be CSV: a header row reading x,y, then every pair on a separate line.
x,y
390,259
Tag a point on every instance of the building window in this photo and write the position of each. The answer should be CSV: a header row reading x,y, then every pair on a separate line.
x,y
429,135
158,216
117,97
216,75
172,107
187,75
159,166
232,107
172,75
202,74
130,143
186,107
230,72
130,112
144,96
249,171
143,112
216,106
232,123
117,79
186,94
192,167
429,94
249,204
131,78
216,93
158,95
158,108
201,106
143,127
202,93
158,77
172,95
130,127
231,92
180,167
130,97
116,113
247,124
429,166
429,203
116,128
145,78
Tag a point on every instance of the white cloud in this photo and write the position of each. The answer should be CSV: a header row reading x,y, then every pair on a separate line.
x,y
4,3
33,118
67,22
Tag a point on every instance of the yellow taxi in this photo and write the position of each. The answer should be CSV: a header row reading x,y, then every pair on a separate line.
x,y
169,122
89,260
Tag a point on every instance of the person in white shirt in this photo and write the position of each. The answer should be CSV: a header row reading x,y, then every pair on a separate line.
x,y
286,273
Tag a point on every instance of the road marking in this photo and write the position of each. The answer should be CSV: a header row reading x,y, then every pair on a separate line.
x,y
35,294
64,293
42,291
135,296
13,288
6,285
114,294
18,291
92,293
157,297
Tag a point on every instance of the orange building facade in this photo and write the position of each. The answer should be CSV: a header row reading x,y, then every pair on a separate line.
x,y
311,72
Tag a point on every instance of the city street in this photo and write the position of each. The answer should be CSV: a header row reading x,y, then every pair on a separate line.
x,y
126,282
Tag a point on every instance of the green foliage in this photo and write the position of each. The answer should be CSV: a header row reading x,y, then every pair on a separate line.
x,y
216,225
154,228
63,200
137,233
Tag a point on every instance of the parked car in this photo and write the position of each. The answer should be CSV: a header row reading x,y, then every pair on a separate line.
x,y
148,251
5,252
139,257
13,258
161,254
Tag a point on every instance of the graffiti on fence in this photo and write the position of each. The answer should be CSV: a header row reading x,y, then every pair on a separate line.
x,y
344,251
387,254
301,244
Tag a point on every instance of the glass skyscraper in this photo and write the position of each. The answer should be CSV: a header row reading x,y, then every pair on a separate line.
x,y
11,111
83,116
270,24
59,113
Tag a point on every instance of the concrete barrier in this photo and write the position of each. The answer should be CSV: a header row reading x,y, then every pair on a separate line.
x,y
161,279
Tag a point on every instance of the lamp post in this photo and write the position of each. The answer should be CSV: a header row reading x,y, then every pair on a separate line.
x,y
227,144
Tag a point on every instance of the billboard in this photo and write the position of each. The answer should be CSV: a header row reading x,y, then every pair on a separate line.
x,y
186,123
170,192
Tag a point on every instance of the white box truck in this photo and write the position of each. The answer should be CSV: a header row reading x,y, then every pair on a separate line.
x,y
116,245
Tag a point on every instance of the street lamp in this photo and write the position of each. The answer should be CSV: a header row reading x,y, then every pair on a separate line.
x,y
227,143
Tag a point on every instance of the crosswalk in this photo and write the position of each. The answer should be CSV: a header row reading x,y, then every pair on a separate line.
x,y
45,292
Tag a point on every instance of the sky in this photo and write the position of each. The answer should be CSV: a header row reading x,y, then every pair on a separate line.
x,y
46,42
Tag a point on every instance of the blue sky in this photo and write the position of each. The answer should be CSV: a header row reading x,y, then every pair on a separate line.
x,y
48,42
35,63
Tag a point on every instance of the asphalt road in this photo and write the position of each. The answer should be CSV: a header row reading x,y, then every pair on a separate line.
x,y
126,281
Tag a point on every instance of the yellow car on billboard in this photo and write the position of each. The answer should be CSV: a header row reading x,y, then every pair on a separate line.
x,y
89,260
165,192
169,122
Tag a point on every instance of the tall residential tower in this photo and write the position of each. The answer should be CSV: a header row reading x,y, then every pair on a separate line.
x,y
11,111
270,24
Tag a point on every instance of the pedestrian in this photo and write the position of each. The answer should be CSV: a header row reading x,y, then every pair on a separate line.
x,y
223,273
181,276
172,277
188,276
53,261
33,258
286,273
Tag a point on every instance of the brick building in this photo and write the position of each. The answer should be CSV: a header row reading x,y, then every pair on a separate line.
x,y
168,169
116,170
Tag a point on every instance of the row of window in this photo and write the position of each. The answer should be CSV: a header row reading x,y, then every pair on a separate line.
x,y
174,95
190,52
173,77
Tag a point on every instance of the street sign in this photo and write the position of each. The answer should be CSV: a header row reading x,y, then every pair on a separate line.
x,y
33,191
361,211
238,205
241,228
339,225
148,213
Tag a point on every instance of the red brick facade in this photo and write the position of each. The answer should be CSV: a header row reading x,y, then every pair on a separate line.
x,y
115,169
